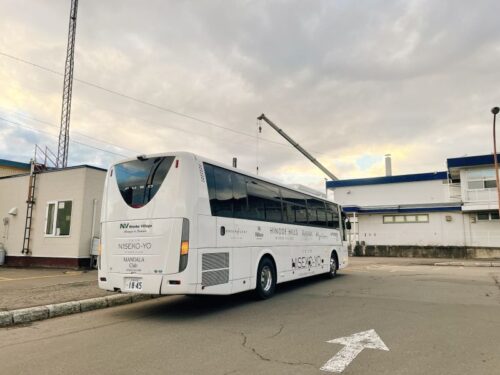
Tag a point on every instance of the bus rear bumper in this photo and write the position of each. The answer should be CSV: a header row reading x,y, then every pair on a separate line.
x,y
149,284
170,286
129,283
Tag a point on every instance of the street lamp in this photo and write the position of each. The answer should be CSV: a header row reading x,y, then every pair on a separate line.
x,y
495,111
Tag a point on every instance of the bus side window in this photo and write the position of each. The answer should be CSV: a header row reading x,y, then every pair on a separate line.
x,y
256,203
240,197
223,193
321,212
294,207
300,215
329,217
333,216
316,212
234,195
288,213
272,202
209,175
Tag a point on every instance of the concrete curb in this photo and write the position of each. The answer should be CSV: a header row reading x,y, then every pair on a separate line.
x,y
31,314
469,264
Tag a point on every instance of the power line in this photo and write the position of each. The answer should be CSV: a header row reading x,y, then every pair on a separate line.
x,y
149,104
14,123
142,120
28,117
141,101
18,115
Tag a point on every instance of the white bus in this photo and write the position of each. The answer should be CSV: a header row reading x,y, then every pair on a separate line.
x,y
178,223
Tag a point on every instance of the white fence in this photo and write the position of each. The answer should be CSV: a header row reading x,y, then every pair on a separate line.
x,y
481,195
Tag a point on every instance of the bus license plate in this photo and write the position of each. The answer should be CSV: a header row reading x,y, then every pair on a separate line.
x,y
133,284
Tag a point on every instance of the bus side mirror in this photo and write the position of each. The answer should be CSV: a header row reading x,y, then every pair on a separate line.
x,y
348,225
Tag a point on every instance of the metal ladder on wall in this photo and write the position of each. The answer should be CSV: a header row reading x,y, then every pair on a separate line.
x,y
30,202
47,157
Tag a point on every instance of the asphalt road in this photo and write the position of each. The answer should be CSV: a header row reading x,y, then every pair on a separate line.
x,y
434,320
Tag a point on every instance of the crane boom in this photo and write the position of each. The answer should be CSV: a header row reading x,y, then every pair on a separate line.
x,y
298,147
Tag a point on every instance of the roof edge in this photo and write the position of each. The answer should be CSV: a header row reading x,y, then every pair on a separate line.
x,y
14,164
416,177
405,208
52,170
471,161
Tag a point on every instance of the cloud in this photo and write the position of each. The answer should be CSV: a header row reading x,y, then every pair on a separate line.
x,y
349,81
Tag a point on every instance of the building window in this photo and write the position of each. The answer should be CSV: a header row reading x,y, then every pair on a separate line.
x,y
399,218
388,219
396,219
58,218
481,179
490,184
423,218
411,218
487,215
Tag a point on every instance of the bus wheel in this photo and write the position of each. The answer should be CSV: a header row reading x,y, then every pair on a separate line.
x,y
332,272
266,279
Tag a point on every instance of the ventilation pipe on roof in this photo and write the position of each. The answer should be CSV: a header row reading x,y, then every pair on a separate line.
x,y
388,165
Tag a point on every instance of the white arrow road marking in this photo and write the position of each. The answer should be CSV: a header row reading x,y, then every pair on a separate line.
x,y
354,344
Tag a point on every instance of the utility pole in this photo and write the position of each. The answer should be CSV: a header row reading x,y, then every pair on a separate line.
x,y
63,144
298,147
495,111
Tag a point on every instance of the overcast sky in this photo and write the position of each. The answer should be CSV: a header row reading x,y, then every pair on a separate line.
x,y
350,81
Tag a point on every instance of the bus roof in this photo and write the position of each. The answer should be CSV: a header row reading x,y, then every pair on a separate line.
x,y
222,165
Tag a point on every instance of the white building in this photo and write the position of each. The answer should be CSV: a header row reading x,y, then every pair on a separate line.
x,y
64,216
452,213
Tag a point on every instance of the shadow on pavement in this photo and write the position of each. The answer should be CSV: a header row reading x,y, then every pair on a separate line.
x,y
182,308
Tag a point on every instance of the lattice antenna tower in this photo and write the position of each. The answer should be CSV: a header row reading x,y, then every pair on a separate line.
x,y
63,145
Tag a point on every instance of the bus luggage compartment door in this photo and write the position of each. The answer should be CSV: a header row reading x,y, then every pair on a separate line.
x,y
144,246
214,262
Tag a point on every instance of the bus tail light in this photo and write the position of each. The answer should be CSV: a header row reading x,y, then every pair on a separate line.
x,y
184,249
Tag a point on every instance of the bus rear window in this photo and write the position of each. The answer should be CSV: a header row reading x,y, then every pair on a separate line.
x,y
139,180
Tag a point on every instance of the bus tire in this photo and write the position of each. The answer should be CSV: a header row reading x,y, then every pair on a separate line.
x,y
266,279
334,264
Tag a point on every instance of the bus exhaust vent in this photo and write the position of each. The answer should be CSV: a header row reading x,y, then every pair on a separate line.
x,y
217,277
215,261
215,269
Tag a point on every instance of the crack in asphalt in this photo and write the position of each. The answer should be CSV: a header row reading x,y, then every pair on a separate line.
x,y
277,333
246,346
496,280
410,275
